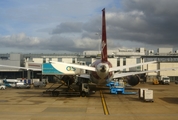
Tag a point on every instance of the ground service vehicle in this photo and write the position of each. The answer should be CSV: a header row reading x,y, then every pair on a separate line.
x,y
22,85
164,80
2,87
155,81
176,82
10,82
39,84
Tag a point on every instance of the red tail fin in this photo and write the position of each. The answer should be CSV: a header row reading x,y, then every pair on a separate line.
x,y
104,42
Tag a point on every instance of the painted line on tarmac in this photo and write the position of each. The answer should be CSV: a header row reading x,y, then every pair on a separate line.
x,y
105,108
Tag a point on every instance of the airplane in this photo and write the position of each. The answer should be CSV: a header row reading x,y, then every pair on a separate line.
x,y
101,70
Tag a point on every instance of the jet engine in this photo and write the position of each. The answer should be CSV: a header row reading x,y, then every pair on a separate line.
x,y
133,80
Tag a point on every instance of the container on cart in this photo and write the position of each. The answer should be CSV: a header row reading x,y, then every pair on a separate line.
x,y
141,92
148,95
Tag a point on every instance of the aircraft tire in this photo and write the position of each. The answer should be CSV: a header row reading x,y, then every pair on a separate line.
x,y
83,94
55,94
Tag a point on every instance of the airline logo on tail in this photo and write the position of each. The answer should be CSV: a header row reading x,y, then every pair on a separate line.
x,y
103,47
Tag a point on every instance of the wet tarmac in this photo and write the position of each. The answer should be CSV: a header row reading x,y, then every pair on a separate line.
x,y
31,104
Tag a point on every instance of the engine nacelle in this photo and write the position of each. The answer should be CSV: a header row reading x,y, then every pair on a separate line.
x,y
133,80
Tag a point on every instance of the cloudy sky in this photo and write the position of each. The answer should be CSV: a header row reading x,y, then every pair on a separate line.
x,y
64,26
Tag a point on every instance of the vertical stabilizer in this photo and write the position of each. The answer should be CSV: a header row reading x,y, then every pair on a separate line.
x,y
104,42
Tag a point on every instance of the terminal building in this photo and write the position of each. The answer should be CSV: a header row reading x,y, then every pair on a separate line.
x,y
166,57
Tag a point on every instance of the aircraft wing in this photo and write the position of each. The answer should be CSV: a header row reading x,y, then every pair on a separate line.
x,y
119,75
129,66
76,66
8,66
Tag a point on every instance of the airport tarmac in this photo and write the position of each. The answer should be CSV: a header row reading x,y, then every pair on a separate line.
x,y
30,104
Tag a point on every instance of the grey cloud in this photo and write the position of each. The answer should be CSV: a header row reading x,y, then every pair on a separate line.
x,y
150,22
157,25
93,25
59,43
19,41
55,43
87,30
68,27
150,7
